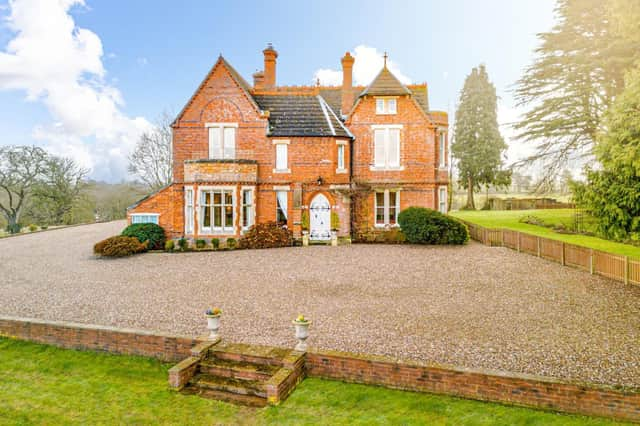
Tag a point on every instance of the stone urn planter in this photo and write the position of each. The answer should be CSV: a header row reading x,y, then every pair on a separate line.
x,y
334,238
301,325
305,238
213,322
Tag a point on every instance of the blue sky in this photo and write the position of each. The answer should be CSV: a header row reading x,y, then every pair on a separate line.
x,y
85,79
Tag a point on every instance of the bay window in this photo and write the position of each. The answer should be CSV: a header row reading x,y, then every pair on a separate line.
x,y
217,214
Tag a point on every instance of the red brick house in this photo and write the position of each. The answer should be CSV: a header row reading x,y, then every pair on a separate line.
x,y
244,154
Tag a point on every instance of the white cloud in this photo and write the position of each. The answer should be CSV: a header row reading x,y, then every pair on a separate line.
x,y
368,64
60,64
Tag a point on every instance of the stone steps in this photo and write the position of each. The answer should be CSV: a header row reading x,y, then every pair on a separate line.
x,y
237,370
251,354
230,385
232,398
242,374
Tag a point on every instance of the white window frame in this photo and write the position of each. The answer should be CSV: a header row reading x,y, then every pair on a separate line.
x,y
211,230
386,165
383,105
189,216
156,215
252,211
386,208
341,146
442,149
279,143
286,207
220,128
442,200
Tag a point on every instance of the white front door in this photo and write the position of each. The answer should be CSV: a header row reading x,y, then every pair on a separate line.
x,y
320,218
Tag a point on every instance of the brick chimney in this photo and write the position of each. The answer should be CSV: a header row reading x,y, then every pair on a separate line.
x,y
270,56
347,83
258,80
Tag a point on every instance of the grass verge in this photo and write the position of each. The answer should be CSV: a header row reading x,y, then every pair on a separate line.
x,y
42,384
509,219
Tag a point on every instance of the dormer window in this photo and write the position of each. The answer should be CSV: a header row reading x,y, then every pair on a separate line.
x,y
386,106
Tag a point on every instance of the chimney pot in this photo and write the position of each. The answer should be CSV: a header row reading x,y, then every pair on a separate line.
x,y
270,56
347,83
258,80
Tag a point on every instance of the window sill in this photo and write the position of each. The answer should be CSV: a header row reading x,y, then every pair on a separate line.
x,y
443,168
341,171
381,226
386,169
218,231
281,170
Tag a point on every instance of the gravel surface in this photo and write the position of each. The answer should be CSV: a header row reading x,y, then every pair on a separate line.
x,y
473,306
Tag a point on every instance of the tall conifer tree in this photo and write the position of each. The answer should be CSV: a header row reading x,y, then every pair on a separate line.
x,y
478,145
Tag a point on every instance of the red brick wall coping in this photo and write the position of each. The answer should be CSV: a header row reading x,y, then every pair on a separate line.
x,y
484,385
167,347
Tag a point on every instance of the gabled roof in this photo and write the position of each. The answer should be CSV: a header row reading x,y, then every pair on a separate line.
x,y
420,95
237,78
385,84
300,115
333,96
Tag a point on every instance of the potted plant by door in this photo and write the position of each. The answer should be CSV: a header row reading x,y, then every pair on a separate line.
x,y
301,325
335,225
213,322
304,224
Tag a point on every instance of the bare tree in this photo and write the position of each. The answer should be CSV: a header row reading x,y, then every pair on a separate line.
x,y
60,188
21,168
151,160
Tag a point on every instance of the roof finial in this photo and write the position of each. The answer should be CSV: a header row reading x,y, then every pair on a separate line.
x,y
385,59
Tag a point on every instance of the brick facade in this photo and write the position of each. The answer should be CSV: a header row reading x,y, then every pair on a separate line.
x,y
224,98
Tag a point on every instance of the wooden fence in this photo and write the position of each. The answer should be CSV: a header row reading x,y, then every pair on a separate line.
x,y
617,267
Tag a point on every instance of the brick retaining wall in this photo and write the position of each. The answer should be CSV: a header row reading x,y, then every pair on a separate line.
x,y
517,389
167,347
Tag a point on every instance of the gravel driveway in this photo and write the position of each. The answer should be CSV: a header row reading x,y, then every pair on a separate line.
x,y
473,306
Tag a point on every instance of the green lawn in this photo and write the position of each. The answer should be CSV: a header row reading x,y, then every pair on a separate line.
x,y
46,385
510,219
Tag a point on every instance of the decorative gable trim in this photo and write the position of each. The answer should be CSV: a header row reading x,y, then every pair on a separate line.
x,y
237,79
326,114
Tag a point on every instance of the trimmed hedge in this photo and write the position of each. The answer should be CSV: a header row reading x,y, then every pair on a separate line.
x,y
426,226
146,232
119,246
266,235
